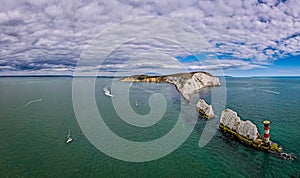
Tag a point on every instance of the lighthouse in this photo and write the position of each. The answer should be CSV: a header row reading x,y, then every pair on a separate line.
x,y
267,130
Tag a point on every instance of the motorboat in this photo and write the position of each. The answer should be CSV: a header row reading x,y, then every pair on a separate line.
x,y
107,92
69,138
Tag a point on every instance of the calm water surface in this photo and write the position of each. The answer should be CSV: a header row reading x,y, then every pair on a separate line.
x,y
36,113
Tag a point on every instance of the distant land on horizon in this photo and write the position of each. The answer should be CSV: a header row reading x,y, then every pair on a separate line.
x,y
100,76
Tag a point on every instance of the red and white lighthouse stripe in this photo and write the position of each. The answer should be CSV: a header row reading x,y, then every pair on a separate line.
x,y
267,130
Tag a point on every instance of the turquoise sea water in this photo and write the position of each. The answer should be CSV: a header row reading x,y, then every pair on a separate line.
x,y
36,113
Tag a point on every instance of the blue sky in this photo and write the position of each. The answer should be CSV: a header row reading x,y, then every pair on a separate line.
x,y
287,66
245,37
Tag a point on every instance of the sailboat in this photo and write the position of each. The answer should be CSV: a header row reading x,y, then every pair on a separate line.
x,y
107,92
69,138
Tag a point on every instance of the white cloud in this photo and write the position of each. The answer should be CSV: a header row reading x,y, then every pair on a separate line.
x,y
252,33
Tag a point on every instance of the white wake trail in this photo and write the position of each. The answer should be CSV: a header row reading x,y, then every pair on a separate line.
x,y
29,103
270,91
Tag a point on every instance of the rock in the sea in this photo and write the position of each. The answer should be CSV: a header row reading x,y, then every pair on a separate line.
x,y
205,110
231,120
188,84
248,129
246,132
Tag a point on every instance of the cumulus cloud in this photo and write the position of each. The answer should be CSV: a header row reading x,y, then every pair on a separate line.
x,y
49,36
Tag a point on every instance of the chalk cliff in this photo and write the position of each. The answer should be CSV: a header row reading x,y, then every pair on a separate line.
x,y
186,83
189,84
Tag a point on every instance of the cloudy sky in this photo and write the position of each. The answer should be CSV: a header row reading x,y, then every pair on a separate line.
x,y
243,37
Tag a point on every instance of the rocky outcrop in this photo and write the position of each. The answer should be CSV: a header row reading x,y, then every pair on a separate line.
x,y
246,132
189,84
186,83
205,110
246,129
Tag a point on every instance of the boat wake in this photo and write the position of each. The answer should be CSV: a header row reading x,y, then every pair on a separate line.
x,y
29,103
270,91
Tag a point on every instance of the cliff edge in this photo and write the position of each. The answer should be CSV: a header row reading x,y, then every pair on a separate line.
x,y
186,83
190,84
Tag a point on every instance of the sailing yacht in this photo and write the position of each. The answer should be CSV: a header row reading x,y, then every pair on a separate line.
x,y
69,138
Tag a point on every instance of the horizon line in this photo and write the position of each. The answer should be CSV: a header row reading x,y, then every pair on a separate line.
x,y
110,76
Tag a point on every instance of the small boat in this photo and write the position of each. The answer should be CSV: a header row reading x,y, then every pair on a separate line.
x,y
136,104
69,138
107,92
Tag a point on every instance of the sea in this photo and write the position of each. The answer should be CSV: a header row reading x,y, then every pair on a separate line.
x,y
36,114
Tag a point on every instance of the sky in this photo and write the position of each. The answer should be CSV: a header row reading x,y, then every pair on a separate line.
x,y
239,37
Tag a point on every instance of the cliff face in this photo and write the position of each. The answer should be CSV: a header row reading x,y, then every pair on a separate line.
x,y
205,110
189,84
186,83
231,120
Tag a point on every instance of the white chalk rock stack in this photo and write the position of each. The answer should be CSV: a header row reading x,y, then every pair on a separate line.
x,y
248,129
230,119
205,109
